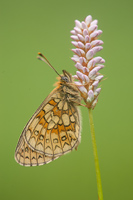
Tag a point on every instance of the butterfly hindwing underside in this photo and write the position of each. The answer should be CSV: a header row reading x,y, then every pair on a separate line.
x,y
53,130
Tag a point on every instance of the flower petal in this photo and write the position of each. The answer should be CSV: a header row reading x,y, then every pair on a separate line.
x,y
88,20
89,54
78,24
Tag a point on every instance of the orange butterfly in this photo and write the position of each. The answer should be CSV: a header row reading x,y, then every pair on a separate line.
x,y
55,128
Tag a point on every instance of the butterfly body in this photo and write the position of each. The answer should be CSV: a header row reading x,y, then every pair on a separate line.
x,y
54,129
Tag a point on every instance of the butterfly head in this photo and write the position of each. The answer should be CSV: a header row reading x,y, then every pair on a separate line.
x,y
66,77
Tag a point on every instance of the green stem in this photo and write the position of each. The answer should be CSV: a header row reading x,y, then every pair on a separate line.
x,y
98,176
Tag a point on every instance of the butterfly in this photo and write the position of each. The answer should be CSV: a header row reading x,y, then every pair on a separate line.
x,y
55,127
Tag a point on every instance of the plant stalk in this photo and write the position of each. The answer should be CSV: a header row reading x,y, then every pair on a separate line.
x,y
98,176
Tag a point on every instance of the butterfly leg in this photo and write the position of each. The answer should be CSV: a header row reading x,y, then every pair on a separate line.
x,y
79,104
73,100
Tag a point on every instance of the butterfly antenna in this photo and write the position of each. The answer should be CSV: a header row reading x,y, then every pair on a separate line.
x,y
44,59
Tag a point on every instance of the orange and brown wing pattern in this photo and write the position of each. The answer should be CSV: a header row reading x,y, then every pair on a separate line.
x,y
55,128
27,157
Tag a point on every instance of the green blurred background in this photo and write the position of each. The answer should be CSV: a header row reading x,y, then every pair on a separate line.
x,y
31,26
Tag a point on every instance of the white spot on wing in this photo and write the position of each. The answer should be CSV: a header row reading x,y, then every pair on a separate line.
x,y
60,105
48,107
39,147
60,121
62,133
51,124
33,123
66,147
55,119
48,150
27,135
72,118
56,100
65,119
65,106
77,131
48,117
43,131
38,127
32,142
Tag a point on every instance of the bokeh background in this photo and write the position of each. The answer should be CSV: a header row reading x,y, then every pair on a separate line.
x,y
31,26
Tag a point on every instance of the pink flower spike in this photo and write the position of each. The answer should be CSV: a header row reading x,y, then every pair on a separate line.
x,y
74,37
75,43
85,32
89,54
81,38
84,25
94,22
88,20
87,39
78,24
73,32
77,30
95,34
81,45
92,28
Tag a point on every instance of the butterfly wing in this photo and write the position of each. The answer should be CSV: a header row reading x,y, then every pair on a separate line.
x,y
53,130
27,157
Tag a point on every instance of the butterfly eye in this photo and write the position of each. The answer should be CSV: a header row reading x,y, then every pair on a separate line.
x,y
64,78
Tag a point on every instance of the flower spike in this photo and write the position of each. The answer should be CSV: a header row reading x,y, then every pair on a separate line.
x,y
85,36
